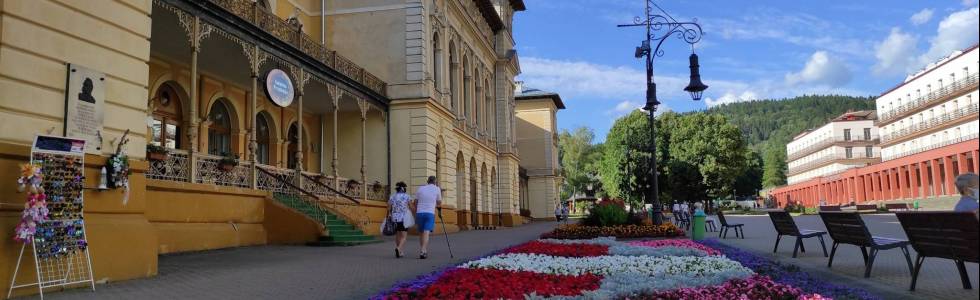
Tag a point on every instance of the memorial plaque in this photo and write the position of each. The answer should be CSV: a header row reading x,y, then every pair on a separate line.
x,y
85,106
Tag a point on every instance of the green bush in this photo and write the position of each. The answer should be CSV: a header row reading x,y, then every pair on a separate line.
x,y
607,213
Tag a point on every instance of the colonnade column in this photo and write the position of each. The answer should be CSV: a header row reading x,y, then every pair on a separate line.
x,y
976,161
902,181
950,182
195,33
962,163
860,192
876,185
937,179
913,180
923,176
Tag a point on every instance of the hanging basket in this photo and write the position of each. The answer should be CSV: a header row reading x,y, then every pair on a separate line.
x,y
227,167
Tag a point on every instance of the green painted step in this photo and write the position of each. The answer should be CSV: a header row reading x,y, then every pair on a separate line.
x,y
340,233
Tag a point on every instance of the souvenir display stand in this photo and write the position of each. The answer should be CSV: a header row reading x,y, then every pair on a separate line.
x,y
59,244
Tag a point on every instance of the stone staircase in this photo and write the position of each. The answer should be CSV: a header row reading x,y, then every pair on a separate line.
x,y
339,231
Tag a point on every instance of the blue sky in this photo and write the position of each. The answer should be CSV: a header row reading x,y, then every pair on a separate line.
x,y
750,50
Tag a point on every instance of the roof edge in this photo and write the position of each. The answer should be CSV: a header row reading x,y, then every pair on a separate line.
x,y
553,96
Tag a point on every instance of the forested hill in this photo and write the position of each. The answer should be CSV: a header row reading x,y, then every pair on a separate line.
x,y
769,124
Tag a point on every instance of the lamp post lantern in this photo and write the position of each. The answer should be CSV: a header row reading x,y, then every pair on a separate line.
x,y
659,26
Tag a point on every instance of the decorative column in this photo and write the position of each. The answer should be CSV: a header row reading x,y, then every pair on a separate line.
x,y
255,60
335,94
196,31
364,106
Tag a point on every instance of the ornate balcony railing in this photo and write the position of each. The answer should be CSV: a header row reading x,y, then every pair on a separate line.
x,y
294,35
828,141
930,98
933,122
175,167
273,179
210,170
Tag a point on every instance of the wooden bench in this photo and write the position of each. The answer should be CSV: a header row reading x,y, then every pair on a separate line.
x,y
897,206
867,207
786,226
725,225
949,235
849,228
830,208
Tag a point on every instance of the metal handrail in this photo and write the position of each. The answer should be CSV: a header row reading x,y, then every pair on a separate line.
x,y
933,146
287,184
826,158
335,191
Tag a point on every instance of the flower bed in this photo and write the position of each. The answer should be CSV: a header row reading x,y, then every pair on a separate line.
x,y
603,268
789,274
575,231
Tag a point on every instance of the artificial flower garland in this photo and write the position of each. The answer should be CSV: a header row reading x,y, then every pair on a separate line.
x,y
36,206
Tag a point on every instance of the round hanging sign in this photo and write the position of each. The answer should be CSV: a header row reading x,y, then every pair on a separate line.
x,y
279,87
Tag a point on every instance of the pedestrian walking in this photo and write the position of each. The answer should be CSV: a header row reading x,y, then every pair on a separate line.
x,y
564,213
558,212
428,199
400,214
968,184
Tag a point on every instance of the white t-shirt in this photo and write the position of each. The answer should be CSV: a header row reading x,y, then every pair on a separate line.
x,y
427,196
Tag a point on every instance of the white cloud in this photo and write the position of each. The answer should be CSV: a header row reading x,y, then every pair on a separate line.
x,y
895,54
955,32
731,97
969,2
794,28
922,16
624,107
821,69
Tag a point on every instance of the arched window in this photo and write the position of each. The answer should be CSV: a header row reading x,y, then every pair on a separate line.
x,y
436,62
167,118
263,138
293,136
466,89
453,73
219,132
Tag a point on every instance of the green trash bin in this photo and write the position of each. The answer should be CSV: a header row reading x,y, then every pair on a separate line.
x,y
697,231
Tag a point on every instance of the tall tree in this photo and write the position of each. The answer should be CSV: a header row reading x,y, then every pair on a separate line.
x,y
574,150
625,161
714,146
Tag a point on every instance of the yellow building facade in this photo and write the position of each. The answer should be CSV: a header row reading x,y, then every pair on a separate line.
x,y
450,66
385,91
537,141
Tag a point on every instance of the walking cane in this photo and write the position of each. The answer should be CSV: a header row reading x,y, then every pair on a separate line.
x,y
445,233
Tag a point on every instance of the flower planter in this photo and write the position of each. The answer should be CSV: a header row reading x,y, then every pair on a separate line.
x,y
156,156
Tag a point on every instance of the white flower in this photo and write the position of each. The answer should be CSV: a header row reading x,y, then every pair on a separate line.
x,y
608,265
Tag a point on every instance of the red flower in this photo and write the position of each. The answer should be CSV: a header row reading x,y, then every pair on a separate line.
x,y
565,250
500,284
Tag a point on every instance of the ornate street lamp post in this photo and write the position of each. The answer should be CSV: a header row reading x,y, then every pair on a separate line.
x,y
659,26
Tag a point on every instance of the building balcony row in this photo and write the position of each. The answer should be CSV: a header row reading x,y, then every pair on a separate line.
x,y
956,88
831,141
294,36
957,140
930,124
830,158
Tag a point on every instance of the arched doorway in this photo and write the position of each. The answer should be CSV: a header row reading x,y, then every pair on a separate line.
x,y
166,127
219,129
485,189
292,148
460,182
263,138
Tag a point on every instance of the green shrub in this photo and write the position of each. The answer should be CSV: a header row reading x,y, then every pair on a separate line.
x,y
607,213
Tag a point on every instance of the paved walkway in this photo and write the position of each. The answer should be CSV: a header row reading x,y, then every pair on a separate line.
x,y
938,279
299,272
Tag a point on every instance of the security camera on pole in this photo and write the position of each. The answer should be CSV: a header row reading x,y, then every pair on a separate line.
x,y
659,26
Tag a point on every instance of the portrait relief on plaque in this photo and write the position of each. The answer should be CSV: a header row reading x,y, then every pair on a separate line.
x,y
85,106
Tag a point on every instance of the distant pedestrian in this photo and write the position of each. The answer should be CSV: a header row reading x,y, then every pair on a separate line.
x,y
401,215
428,198
564,213
968,184
558,213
